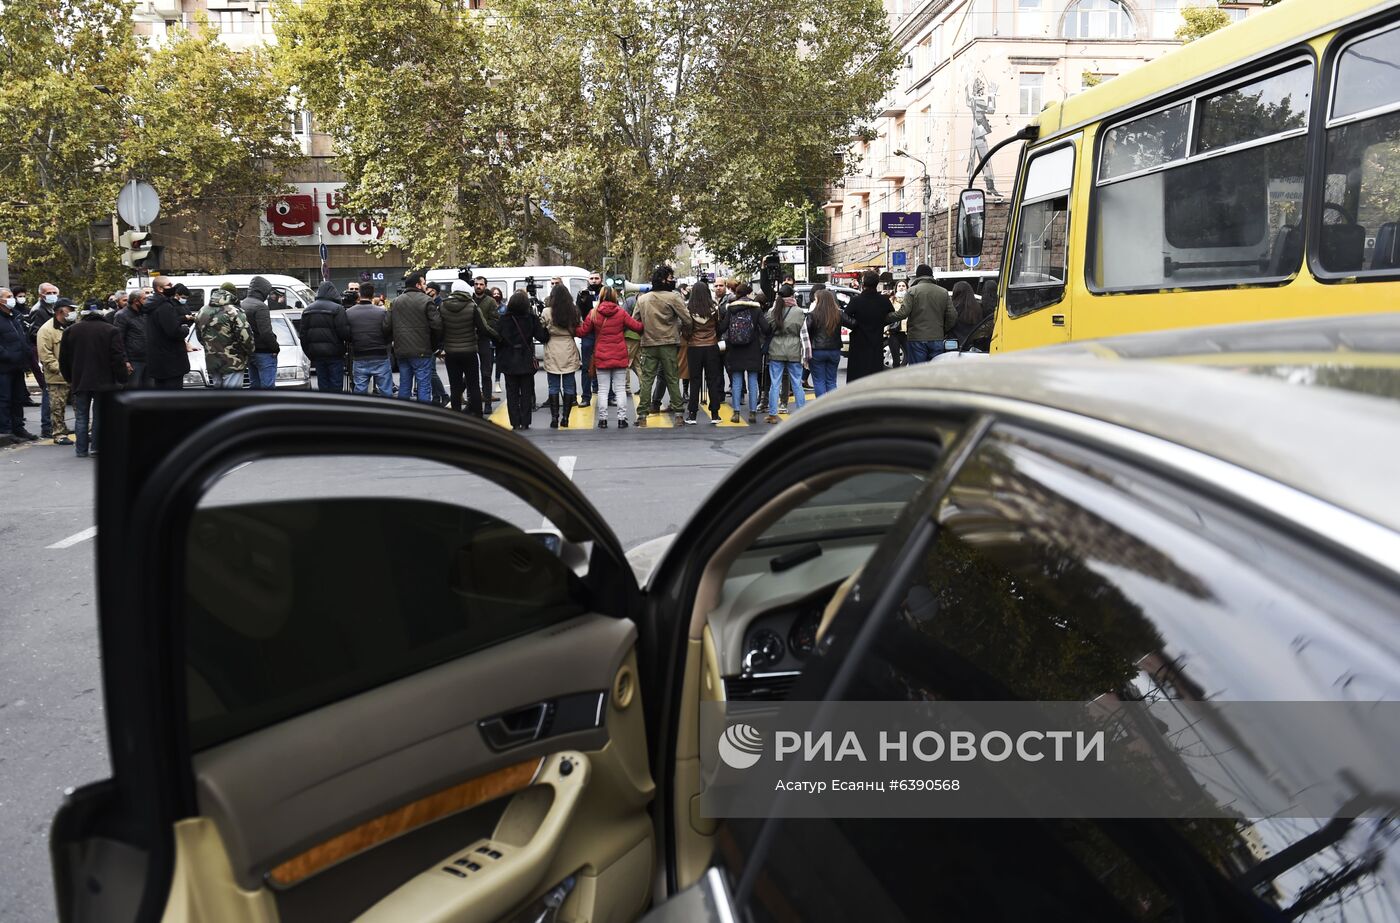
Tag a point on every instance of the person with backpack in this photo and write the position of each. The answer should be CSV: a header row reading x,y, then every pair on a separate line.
x,y
609,325
788,350
515,357
743,326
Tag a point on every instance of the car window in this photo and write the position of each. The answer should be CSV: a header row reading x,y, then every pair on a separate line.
x,y
285,335
863,504
308,580
1057,575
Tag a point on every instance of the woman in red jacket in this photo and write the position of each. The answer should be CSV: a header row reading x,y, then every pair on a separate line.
x,y
609,323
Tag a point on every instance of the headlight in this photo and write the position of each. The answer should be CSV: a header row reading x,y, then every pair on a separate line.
x,y
291,373
194,379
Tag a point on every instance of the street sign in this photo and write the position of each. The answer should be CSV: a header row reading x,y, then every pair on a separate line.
x,y
972,261
899,259
138,204
824,270
792,253
901,224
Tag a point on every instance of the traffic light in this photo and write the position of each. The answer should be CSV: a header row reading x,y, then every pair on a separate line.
x,y
137,250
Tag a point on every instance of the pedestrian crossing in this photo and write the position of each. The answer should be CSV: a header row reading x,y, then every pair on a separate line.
x,y
585,419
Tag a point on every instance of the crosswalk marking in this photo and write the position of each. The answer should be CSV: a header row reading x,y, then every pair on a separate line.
x,y
584,419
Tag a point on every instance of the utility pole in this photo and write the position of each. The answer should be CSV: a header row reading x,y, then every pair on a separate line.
x,y
928,215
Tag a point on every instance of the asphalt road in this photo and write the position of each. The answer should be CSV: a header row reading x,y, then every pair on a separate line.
x,y
52,732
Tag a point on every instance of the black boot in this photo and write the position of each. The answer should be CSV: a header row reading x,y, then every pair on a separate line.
x,y
566,408
554,411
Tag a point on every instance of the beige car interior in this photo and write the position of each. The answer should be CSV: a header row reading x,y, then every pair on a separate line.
x,y
390,805
736,588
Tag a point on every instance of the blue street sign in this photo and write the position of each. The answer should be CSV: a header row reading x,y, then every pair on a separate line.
x,y
972,261
899,258
325,253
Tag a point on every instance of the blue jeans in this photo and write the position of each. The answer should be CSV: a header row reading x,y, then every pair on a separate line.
x,y
83,413
566,379
776,368
740,382
262,371
924,350
824,365
587,384
378,369
416,371
226,379
330,374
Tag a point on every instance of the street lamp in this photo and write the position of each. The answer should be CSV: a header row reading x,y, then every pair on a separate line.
x,y
928,195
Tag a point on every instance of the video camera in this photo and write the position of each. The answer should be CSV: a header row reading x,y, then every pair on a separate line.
x,y
467,275
531,288
770,274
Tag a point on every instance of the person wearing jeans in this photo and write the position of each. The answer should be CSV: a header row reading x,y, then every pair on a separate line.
x,y
743,326
85,416
262,371
380,371
414,323
785,350
608,324
824,326
92,359
928,308
369,325
416,377
561,355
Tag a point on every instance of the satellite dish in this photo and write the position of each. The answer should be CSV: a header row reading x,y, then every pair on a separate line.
x,y
138,204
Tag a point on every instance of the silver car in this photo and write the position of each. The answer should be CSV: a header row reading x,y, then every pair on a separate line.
x,y
293,367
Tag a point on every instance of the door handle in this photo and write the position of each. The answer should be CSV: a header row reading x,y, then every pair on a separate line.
x,y
1057,320
515,728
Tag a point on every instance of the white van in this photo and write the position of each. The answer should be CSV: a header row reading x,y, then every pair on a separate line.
x,y
297,292
510,278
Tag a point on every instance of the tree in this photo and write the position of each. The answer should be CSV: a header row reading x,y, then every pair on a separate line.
x,y
213,136
87,109
1201,21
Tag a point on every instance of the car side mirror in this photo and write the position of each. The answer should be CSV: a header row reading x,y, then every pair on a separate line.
x,y
972,211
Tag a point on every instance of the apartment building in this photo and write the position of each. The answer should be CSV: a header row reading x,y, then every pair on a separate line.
x,y
975,72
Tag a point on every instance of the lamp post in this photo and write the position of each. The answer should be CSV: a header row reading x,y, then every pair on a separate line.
x,y
928,196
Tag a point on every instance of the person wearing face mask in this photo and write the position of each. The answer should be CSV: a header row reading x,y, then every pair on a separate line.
x,y
665,323
166,361
14,361
38,315
586,301
49,341
130,322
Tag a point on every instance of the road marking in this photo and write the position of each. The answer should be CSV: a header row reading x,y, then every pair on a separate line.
x,y
566,464
77,538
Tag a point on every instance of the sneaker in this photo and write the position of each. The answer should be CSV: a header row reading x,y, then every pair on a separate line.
x,y
622,424
81,454
603,423
92,452
771,419
782,408
26,435
714,418
733,417
63,440
690,421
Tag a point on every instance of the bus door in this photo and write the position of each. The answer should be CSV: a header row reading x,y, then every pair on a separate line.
x,y
1034,309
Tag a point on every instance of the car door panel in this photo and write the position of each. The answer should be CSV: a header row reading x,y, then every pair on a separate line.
x,y
399,744
310,713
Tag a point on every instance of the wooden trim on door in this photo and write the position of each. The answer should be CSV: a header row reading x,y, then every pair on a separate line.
x,y
371,833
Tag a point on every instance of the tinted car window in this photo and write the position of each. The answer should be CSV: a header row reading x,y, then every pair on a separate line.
x,y
1056,575
292,604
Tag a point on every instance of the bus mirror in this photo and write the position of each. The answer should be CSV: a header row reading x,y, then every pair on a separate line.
x,y
972,210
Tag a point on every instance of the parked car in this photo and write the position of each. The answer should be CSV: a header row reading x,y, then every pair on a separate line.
x,y
296,291
312,717
293,367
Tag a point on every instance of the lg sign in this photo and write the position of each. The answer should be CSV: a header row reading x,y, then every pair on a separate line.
x,y
311,216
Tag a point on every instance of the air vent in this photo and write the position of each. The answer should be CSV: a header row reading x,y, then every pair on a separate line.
x,y
771,688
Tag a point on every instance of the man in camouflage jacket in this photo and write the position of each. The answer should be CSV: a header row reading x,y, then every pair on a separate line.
x,y
227,338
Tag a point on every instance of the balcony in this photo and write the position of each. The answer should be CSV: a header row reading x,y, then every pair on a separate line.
x,y
893,172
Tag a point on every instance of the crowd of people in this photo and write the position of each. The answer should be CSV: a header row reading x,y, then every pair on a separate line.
x,y
688,349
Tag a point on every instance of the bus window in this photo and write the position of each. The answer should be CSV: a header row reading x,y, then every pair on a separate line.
x,y
1220,206
1361,202
1039,266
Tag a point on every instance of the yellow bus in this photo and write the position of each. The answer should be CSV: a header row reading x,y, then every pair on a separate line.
x,y
1252,174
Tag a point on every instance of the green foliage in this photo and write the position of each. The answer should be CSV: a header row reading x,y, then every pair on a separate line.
x,y
86,109
1201,21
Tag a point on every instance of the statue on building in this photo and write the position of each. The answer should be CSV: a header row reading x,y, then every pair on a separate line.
x,y
982,100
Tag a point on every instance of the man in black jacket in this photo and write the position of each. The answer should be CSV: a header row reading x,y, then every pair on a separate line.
x,y
14,360
262,368
414,323
92,360
167,361
369,343
131,322
325,334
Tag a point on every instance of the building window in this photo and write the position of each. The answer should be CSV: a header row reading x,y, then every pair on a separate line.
x,y
230,21
1032,87
900,135
1029,20
1236,13
1098,19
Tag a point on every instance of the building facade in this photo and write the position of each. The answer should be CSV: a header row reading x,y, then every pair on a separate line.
x,y
974,73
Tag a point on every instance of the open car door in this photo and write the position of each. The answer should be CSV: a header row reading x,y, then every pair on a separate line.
x,y
361,660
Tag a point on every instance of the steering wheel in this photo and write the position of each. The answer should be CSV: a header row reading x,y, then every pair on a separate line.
x,y
1333,206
